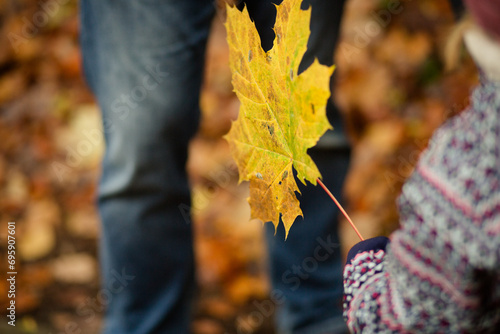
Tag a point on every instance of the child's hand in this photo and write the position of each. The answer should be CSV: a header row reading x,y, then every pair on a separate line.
x,y
373,244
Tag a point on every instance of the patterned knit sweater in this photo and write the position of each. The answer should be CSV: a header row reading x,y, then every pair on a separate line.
x,y
441,271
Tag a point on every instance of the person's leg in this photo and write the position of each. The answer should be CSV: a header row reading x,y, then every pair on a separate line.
x,y
144,62
306,269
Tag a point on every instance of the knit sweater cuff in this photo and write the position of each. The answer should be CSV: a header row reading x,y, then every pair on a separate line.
x,y
363,267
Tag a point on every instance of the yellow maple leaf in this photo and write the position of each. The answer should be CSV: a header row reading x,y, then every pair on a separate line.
x,y
282,114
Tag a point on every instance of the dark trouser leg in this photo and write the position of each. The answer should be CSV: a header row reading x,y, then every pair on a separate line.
x,y
144,62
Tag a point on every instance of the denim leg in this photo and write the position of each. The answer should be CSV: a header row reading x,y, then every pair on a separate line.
x,y
144,62
306,268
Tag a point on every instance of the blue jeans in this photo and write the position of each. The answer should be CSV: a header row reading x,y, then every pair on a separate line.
x,y
144,62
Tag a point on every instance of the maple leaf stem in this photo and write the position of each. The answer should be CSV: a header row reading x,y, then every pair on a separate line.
x,y
341,208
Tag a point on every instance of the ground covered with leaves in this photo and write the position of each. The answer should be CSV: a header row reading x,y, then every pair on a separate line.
x,y
390,84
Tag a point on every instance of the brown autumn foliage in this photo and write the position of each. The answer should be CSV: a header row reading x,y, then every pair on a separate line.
x,y
390,85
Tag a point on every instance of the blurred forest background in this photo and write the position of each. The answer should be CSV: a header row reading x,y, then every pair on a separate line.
x,y
390,84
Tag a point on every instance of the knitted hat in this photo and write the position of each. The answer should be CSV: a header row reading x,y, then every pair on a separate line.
x,y
487,14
